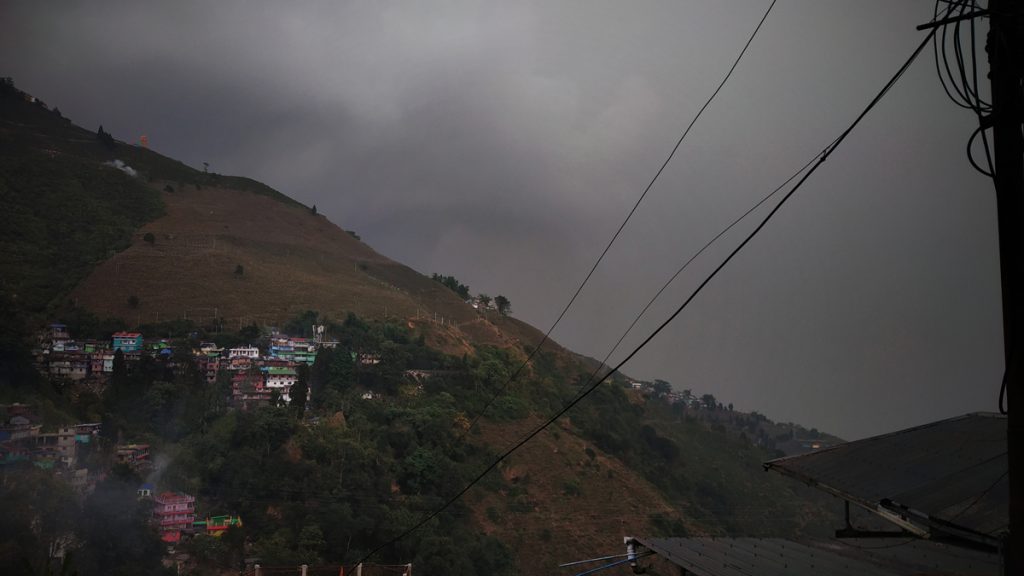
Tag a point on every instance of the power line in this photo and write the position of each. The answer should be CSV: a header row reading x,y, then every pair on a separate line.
x,y
953,6
615,236
686,264
960,86
820,160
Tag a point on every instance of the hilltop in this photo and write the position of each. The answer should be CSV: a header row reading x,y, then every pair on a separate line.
x,y
106,228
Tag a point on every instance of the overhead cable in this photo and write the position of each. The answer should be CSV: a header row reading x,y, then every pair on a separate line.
x,y
618,231
764,221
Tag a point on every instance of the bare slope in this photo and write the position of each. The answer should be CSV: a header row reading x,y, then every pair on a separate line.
x,y
291,260
230,251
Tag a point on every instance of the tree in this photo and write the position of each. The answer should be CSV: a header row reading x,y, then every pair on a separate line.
x,y
239,270
485,301
105,138
149,238
119,374
453,284
503,305
709,401
313,210
39,517
116,537
661,388
299,392
250,333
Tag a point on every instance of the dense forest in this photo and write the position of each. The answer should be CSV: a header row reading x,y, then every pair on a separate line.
x,y
374,451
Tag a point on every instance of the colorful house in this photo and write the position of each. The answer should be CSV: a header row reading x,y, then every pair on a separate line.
x,y
127,341
58,332
173,513
216,526
59,445
293,349
247,388
136,456
244,352
209,365
84,433
282,380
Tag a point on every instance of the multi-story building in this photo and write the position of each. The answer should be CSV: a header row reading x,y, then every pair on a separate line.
x,y
244,352
173,513
293,349
127,341
281,379
209,365
136,456
248,388
61,444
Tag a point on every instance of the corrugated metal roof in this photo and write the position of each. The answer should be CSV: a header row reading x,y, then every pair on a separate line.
x,y
278,371
779,557
953,470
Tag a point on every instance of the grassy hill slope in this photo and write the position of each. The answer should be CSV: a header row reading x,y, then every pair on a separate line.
x,y
226,252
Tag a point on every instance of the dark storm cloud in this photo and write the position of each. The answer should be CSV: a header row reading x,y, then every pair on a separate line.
x,y
503,143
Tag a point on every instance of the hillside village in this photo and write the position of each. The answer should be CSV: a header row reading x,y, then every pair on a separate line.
x,y
262,373
144,443
182,348
257,377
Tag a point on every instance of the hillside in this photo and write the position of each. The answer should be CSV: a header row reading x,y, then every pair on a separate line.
x,y
119,231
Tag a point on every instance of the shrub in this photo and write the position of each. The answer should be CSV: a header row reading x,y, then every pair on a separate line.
x,y
571,488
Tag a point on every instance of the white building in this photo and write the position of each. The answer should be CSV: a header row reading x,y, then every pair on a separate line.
x,y
244,352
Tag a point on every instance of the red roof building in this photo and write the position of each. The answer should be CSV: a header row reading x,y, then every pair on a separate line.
x,y
248,388
173,513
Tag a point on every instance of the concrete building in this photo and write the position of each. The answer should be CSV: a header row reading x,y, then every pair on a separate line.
x,y
127,341
173,513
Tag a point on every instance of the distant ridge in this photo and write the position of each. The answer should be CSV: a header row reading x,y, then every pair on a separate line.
x,y
82,212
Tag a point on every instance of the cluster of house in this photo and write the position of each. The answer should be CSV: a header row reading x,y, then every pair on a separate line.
x,y
174,515
62,357
23,442
256,377
672,397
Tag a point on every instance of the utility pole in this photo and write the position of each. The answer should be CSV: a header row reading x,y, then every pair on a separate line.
x,y
1006,56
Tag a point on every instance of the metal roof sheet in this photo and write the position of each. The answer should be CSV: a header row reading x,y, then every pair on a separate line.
x,y
778,557
953,470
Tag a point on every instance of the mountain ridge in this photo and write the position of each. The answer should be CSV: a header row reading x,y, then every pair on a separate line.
x,y
222,253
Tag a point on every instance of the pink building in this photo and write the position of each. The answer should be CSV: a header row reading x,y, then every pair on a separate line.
x,y
173,512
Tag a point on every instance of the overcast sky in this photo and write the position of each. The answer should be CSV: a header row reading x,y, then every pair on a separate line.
x,y
504,143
